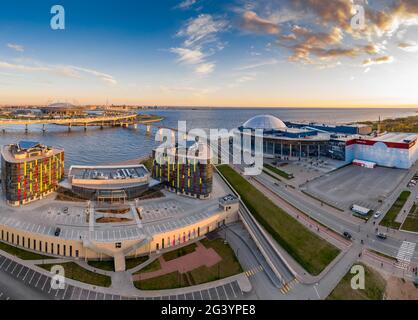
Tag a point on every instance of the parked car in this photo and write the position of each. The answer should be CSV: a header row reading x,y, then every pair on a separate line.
x,y
57,232
377,214
382,236
347,235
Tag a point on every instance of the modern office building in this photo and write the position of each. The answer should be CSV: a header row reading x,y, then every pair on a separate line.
x,y
109,183
30,171
190,173
289,140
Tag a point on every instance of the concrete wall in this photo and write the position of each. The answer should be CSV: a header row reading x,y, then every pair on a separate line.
x,y
383,155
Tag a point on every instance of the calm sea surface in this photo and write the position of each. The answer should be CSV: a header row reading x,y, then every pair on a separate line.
x,y
97,146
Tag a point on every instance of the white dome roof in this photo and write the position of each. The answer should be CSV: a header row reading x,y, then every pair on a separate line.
x,y
61,105
266,122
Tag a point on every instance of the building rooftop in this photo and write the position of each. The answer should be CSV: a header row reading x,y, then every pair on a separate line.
x,y
108,176
396,137
265,122
27,151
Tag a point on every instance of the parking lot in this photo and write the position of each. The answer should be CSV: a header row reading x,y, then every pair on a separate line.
x,y
42,283
355,185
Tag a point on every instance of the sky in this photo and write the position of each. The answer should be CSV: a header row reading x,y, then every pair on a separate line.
x,y
242,53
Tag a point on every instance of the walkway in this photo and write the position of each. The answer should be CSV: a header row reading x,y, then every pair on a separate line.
x,y
202,256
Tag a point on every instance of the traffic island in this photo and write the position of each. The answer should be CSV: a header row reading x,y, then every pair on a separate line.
x,y
375,286
75,272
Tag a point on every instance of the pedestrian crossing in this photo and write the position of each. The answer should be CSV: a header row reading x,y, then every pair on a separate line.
x,y
254,271
288,286
405,254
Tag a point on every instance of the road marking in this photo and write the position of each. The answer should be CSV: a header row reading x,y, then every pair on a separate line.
x,y
233,290
40,276
74,290
8,265
217,294
65,292
14,268
21,268
405,254
226,295
317,293
24,277
46,280
32,277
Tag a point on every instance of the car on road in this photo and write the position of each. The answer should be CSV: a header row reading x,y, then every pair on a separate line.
x,y
347,235
381,236
377,214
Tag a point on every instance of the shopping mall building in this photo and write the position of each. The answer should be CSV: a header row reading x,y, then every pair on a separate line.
x,y
290,140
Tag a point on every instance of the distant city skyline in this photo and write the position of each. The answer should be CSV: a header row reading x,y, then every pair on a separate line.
x,y
191,53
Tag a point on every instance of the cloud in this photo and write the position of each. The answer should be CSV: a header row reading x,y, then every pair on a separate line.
x,y
16,47
202,29
378,60
200,41
186,4
408,46
318,31
259,64
188,56
63,70
253,23
205,68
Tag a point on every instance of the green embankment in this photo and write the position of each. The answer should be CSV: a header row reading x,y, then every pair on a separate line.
x,y
389,219
309,250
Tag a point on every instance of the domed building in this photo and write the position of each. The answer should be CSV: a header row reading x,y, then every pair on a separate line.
x,y
62,109
281,140
265,122
344,142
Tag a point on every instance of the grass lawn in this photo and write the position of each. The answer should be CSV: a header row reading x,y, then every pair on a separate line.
x,y
133,262
374,287
271,175
279,172
309,250
22,254
179,252
228,266
153,266
167,281
411,221
389,219
75,272
107,265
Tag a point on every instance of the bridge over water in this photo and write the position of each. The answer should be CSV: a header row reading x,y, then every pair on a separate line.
x,y
122,120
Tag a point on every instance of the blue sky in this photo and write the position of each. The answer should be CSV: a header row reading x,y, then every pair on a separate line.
x,y
209,53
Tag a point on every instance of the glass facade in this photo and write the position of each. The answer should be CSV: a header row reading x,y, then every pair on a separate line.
x,y
192,177
28,180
